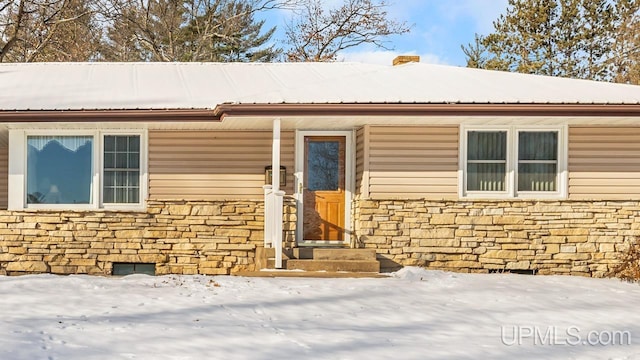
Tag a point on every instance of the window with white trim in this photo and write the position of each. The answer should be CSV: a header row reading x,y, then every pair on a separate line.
x,y
537,161
121,182
77,169
513,162
486,160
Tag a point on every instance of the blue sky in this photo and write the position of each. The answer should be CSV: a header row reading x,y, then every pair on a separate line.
x,y
439,28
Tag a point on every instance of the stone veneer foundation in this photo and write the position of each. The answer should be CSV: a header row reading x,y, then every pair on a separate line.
x,y
221,237
546,237
216,237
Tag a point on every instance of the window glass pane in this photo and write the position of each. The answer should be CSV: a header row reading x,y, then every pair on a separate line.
x,y
121,160
323,163
109,178
134,143
109,143
123,269
122,180
108,196
133,194
122,143
59,169
537,177
487,145
109,160
134,178
133,268
486,177
538,145
121,196
134,160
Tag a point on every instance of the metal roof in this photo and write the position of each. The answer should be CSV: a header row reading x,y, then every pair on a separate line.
x,y
127,86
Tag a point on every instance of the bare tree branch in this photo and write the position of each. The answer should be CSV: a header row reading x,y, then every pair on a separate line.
x,y
47,30
315,35
13,38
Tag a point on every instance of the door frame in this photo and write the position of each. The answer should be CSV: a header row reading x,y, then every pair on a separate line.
x,y
349,181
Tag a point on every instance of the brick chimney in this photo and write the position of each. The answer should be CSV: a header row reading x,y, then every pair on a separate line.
x,y
405,59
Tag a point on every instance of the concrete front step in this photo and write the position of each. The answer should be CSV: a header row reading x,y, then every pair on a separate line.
x,y
323,259
326,265
271,264
334,265
308,274
333,254
302,253
344,254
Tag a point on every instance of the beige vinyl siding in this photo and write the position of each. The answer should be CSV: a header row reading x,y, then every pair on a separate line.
x,y
4,176
604,163
413,162
359,160
211,165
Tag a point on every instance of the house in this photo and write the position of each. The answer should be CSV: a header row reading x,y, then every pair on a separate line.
x,y
163,166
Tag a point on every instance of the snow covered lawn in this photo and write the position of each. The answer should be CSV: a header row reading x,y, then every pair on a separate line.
x,y
414,314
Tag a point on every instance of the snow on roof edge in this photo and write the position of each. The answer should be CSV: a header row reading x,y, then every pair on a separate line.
x,y
184,86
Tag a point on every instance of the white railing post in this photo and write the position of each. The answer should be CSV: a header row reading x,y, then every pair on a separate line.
x,y
268,214
277,194
277,226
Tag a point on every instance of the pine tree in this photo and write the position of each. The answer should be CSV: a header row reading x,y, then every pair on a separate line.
x,y
238,40
597,26
188,30
590,39
625,59
475,53
523,40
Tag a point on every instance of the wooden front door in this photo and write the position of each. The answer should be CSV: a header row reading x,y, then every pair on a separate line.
x,y
324,188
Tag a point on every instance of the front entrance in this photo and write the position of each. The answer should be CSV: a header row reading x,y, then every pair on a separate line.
x,y
323,188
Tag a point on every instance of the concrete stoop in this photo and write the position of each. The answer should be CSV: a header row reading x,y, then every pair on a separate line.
x,y
328,260
334,265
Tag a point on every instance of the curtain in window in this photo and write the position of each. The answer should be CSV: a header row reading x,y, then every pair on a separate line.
x,y
71,143
537,160
59,169
486,160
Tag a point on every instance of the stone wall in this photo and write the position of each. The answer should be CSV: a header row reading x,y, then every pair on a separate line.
x,y
546,237
220,237
213,237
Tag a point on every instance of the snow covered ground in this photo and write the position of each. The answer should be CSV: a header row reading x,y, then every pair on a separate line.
x,y
414,314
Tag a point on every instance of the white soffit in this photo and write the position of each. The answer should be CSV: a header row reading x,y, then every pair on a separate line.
x,y
128,86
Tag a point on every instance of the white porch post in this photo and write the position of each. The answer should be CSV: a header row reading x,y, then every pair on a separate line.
x,y
275,156
268,214
277,197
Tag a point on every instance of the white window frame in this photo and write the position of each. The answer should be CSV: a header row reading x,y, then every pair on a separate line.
x,y
18,169
143,170
511,182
